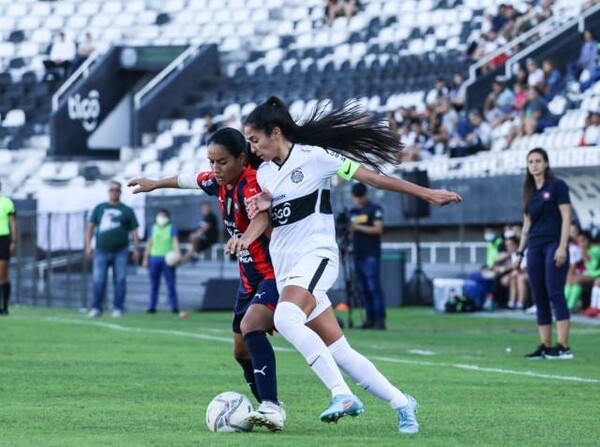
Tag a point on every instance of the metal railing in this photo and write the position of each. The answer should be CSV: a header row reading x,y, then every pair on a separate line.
x,y
82,72
441,252
177,64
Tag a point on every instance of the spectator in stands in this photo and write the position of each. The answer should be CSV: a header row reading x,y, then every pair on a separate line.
x,y
588,55
552,80
591,258
535,116
62,54
367,227
84,50
8,247
416,141
206,235
439,91
546,221
478,139
161,239
210,127
504,287
340,8
591,131
520,92
499,104
495,255
535,75
458,92
112,223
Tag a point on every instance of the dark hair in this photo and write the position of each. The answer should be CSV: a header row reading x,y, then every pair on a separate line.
x,y
235,143
359,190
586,235
529,183
164,211
347,130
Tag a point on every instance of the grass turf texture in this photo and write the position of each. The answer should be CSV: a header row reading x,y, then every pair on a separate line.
x,y
145,380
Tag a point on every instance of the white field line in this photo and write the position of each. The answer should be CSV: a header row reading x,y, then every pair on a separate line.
x,y
202,336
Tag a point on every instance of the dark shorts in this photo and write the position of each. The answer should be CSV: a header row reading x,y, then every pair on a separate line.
x,y
5,248
266,294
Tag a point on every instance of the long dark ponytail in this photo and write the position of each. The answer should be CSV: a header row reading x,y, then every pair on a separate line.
x,y
235,143
529,183
347,130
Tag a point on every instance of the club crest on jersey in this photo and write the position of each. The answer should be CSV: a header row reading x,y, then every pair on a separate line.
x,y
546,195
297,176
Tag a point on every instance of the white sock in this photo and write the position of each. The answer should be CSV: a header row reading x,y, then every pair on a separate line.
x,y
290,323
595,301
365,374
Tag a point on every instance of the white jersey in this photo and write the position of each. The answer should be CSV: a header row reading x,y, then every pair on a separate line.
x,y
301,210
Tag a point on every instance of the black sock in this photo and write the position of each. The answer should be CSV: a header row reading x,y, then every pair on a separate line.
x,y
246,365
263,359
5,296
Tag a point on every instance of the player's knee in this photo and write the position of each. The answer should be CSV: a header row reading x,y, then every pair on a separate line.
x,y
288,315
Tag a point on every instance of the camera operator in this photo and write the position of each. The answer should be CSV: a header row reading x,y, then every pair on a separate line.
x,y
366,223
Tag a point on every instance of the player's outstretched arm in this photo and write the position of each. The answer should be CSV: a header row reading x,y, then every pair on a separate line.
x,y
438,197
143,184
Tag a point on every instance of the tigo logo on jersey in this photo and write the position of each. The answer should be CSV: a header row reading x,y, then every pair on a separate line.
x,y
282,213
297,176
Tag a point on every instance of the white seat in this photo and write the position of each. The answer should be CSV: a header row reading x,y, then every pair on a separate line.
x,y
27,50
115,7
16,10
14,118
28,23
40,9
180,127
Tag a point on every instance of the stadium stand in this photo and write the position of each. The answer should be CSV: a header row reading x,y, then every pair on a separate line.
x,y
387,56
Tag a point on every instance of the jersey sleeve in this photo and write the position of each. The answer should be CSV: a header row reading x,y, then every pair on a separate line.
x,y
377,213
10,209
562,193
133,222
208,183
249,190
174,231
95,215
330,162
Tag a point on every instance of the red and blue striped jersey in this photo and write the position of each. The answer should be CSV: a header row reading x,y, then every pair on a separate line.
x,y
255,263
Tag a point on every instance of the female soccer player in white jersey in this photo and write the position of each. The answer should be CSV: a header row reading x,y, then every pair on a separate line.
x,y
299,161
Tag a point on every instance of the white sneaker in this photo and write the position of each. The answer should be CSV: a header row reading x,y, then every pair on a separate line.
x,y
531,310
116,313
268,414
94,313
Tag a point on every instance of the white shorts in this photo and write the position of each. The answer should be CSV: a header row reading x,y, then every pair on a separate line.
x,y
315,274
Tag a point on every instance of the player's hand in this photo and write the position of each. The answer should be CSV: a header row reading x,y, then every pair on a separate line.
x,y
89,252
560,256
235,245
441,197
258,203
143,185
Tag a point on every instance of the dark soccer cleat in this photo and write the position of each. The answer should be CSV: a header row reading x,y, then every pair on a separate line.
x,y
539,353
558,352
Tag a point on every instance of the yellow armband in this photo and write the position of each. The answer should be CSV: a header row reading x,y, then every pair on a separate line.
x,y
348,169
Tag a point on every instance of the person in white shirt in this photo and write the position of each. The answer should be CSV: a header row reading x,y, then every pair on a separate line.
x,y
62,54
536,74
299,162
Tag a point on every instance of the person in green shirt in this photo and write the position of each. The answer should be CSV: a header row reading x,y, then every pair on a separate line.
x,y
111,223
162,239
8,247
591,260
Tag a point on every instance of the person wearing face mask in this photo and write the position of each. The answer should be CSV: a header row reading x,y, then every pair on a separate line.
x,y
162,239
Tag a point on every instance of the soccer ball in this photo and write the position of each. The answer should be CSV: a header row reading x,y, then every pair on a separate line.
x,y
227,412
172,258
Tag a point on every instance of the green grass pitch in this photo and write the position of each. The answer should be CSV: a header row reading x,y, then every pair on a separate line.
x,y
145,380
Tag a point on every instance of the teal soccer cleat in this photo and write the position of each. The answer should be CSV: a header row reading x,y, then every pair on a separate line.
x,y
407,416
342,405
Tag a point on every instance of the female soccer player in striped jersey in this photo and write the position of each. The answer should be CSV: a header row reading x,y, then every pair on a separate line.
x,y
299,161
233,181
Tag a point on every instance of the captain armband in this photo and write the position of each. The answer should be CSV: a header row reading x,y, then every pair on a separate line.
x,y
347,169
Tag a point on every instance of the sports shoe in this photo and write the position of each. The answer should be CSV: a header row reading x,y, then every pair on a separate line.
x,y
407,416
117,313
539,353
268,414
531,310
94,313
342,405
558,352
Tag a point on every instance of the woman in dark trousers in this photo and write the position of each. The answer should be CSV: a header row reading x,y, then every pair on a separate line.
x,y
546,220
